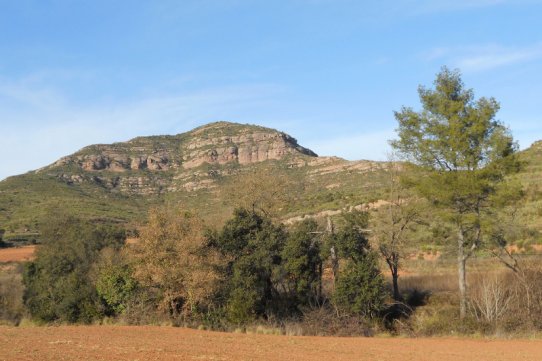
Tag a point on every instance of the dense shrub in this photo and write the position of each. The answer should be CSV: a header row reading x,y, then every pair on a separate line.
x,y
174,268
11,296
58,282
115,284
324,321
360,286
252,244
250,271
302,264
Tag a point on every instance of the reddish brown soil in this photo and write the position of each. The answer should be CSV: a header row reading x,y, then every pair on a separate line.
x,y
17,254
168,343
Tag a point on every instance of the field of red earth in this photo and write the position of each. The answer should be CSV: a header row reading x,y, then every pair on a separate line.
x,y
17,254
169,343
26,253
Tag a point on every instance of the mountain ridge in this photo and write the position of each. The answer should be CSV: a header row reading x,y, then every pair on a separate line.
x,y
210,169
123,179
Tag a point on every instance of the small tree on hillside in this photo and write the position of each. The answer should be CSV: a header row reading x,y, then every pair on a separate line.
x,y
264,191
465,154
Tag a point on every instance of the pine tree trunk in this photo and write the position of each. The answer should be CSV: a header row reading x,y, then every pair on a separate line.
x,y
462,272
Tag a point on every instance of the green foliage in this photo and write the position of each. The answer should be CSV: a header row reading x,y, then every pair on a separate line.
x,y
359,288
453,131
253,244
115,284
274,273
351,240
465,154
58,282
11,296
302,263
457,140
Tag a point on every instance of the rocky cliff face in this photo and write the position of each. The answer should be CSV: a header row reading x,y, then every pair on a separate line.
x,y
148,165
216,143
244,148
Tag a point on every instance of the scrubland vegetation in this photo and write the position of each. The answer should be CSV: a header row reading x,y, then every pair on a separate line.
x,y
351,274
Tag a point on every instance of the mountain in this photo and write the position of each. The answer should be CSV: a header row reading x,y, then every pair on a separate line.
x,y
209,169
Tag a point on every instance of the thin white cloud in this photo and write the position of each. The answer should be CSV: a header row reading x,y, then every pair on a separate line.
x,y
355,147
483,57
39,125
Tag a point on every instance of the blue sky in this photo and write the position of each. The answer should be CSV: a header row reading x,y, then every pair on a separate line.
x,y
328,72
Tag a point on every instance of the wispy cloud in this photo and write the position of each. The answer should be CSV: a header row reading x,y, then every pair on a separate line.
x,y
364,145
39,125
484,57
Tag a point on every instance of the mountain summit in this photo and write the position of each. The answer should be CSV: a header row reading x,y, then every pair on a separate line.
x,y
215,143
201,168
208,170
144,165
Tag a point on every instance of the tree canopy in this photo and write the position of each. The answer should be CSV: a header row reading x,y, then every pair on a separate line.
x,y
465,153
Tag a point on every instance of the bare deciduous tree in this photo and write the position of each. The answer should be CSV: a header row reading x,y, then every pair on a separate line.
x,y
394,221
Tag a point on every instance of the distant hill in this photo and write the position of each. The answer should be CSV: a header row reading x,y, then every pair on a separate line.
x,y
211,169
530,209
207,169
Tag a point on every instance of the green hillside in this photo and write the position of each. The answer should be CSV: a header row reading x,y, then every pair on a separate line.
x,y
530,209
206,169
211,169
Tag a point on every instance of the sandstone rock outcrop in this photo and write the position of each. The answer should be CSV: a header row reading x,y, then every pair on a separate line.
x,y
245,148
178,158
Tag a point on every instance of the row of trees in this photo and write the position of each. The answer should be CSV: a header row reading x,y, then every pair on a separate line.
x,y
251,268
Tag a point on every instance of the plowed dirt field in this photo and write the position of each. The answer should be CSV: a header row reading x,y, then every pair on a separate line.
x,y
168,343
17,254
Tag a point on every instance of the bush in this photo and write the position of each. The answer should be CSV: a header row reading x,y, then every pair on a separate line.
x,y
490,299
11,296
302,264
173,265
114,282
360,289
440,317
58,282
252,244
324,321
2,243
